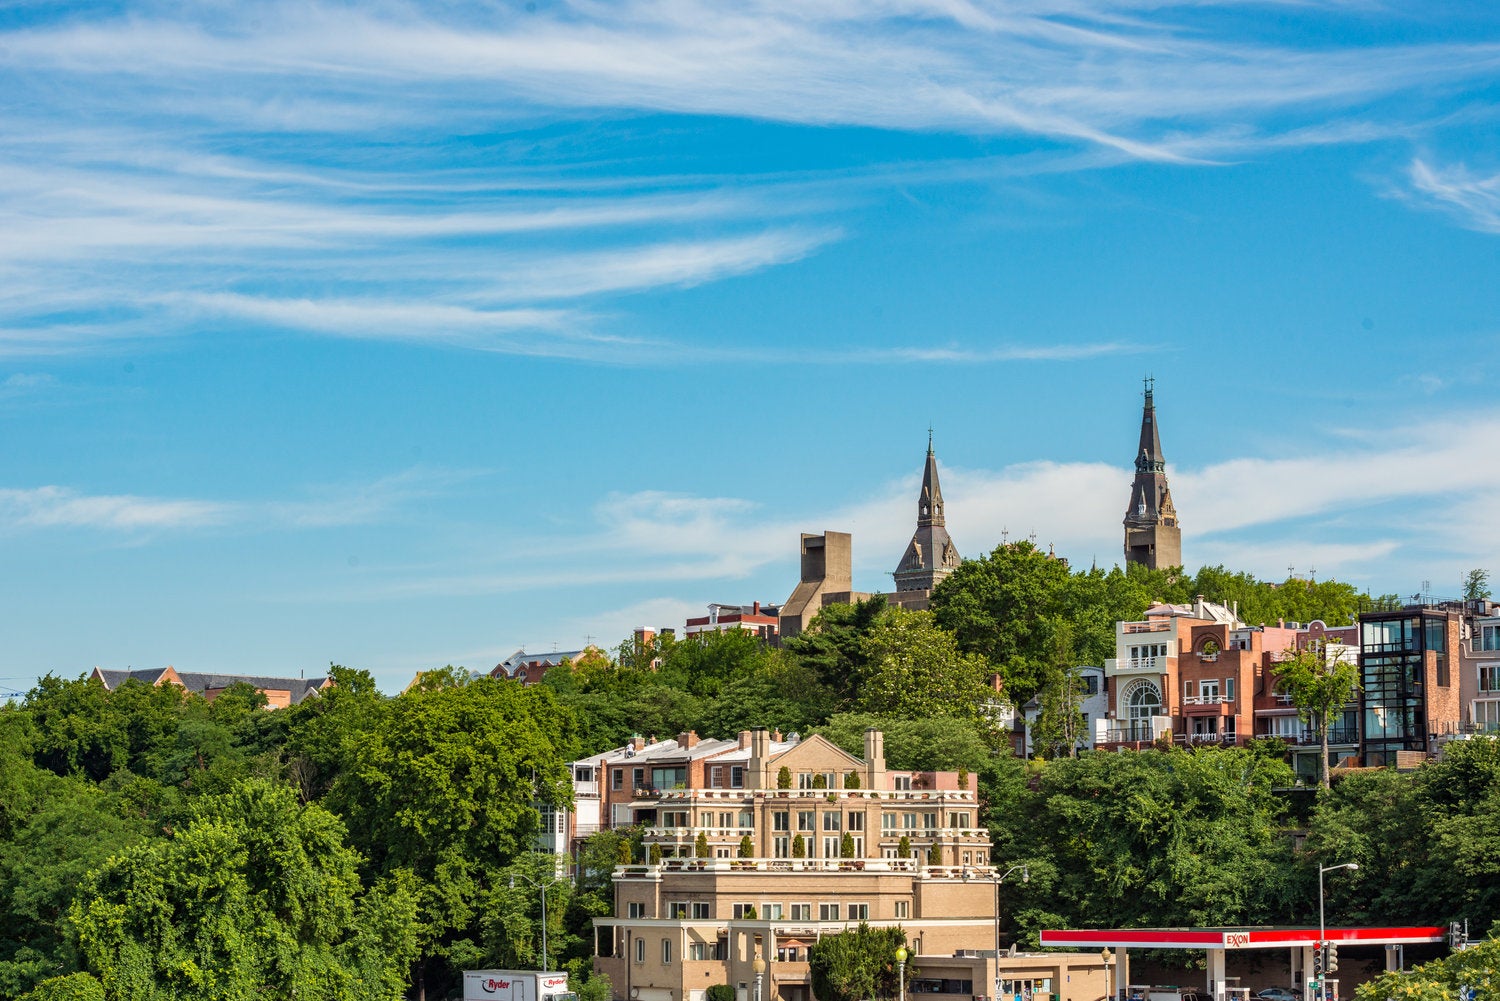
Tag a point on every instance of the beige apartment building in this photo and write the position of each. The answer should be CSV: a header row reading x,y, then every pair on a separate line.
x,y
803,840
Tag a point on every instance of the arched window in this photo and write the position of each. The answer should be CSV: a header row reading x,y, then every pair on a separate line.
x,y
1142,701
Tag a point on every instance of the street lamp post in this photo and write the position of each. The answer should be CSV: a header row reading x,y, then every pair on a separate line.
x,y
1107,958
542,887
1322,923
1025,878
759,966
901,971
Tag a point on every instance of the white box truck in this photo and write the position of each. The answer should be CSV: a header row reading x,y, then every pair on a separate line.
x,y
516,985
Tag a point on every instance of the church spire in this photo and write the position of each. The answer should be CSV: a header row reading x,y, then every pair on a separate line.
x,y
930,502
1152,535
930,556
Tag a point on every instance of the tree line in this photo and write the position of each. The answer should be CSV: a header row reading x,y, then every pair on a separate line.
x,y
156,844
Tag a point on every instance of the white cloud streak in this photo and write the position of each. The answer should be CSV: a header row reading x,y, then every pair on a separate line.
x,y
1473,200
1349,510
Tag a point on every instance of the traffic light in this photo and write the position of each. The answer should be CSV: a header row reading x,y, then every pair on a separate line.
x,y
1318,961
1332,965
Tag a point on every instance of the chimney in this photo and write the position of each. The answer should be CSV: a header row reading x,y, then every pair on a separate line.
x,y
756,606
776,736
874,758
638,742
744,740
687,740
760,759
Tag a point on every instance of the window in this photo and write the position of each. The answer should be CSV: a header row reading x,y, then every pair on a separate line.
x,y
638,778
635,909
716,776
804,780
666,952
677,910
856,821
859,912
959,820
583,773
807,820
781,821
833,821
699,951
903,908
700,910
1142,701
771,912
903,782
740,910
802,912
781,846
908,821
1489,677
788,954
726,819
617,779
1188,690
640,950
675,818
1436,634
747,820
887,823
828,912
1090,684
929,821
737,777
1228,689
1489,637
831,847
1208,691
669,778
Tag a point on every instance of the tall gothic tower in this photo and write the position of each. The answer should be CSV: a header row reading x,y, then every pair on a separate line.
x,y
1152,535
930,556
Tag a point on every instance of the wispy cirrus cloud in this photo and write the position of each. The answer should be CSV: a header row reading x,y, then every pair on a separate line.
x,y
1337,509
55,507
401,188
1471,199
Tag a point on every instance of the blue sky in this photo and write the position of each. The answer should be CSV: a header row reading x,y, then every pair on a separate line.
x,y
399,335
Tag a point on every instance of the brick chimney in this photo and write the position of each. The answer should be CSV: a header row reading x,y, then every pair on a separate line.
x,y
687,740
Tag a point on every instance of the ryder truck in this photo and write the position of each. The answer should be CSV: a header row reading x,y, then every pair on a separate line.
x,y
516,985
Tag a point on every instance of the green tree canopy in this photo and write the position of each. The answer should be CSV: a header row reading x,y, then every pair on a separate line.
x,y
857,965
256,897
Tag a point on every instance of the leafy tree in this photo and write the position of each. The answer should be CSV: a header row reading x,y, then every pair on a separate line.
x,y
833,644
70,987
1477,968
1320,685
747,847
446,786
270,898
1477,585
931,743
784,778
72,828
1152,838
846,846
700,846
913,668
935,854
799,847
1058,729
857,964
325,733
719,992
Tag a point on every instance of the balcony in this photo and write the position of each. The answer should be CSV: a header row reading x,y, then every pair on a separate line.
x,y
1125,665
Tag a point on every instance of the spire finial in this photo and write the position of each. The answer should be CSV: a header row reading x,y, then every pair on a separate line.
x,y
929,439
1149,382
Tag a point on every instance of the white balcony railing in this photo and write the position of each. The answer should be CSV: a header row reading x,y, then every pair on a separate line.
x,y
1115,665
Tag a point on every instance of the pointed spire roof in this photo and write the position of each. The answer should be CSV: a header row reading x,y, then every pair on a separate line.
x,y
930,501
1148,457
930,556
